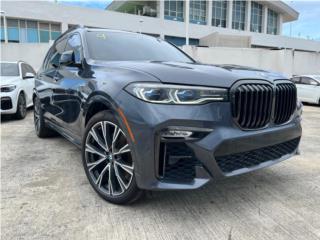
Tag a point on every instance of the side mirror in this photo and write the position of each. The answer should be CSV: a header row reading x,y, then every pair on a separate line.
x,y
68,59
28,75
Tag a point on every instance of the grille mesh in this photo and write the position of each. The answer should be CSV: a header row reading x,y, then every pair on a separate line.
x,y
252,105
255,157
286,100
6,103
179,162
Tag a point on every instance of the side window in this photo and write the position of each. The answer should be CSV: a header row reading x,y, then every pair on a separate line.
x,y
54,55
25,68
74,44
29,69
296,79
308,81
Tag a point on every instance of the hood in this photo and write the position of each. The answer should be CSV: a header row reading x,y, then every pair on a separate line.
x,y
9,80
197,74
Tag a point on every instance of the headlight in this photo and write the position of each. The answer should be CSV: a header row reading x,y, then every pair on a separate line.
x,y
8,88
176,94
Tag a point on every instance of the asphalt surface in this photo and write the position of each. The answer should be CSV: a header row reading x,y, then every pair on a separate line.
x,y
45,195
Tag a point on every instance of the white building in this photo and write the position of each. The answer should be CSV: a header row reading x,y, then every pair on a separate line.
x,y
27,27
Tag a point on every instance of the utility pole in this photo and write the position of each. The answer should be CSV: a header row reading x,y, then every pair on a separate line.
x,y
187,7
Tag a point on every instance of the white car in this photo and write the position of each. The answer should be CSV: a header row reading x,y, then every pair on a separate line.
x,y
17,83
308,87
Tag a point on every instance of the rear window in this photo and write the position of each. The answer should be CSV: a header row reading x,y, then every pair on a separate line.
x,y
9,69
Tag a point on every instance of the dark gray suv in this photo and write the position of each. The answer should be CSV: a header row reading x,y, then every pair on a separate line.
x,y
147,116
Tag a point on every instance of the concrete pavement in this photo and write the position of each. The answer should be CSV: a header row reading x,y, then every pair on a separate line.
x,y
45,195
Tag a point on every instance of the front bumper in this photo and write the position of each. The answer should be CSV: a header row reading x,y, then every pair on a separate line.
x,y
8,102
223,152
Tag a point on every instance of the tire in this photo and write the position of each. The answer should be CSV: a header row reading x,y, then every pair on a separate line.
x,y
41,129
21,107
108,160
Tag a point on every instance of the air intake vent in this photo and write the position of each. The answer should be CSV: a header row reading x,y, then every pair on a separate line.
x,y
286,101
252,105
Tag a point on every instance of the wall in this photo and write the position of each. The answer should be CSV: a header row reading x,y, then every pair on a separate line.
x,y
288,62
32,53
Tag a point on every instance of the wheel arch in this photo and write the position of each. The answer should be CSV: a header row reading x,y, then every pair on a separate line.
x,y
97,103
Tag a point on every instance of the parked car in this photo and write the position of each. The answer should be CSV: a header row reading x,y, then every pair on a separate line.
x,y
17,83
148,117
308,87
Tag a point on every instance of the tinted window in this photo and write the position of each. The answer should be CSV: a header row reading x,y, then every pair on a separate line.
x,y
9,69
119,46
25,68
74,44
296,79
53,57
308,81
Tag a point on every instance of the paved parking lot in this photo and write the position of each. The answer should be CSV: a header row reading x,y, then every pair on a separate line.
x,y
45,194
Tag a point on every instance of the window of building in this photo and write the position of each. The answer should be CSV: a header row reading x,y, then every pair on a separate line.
x,y
238,15
29,31
13,30
55,31
198,11
180,41
256,17
32,32
44,32
219,13
1,29
272,25
173,10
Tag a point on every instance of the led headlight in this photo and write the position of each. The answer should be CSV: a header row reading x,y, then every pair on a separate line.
x,y
176,94
7,88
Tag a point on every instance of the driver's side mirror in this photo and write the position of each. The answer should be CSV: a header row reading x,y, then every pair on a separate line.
x,y
28,75
68,59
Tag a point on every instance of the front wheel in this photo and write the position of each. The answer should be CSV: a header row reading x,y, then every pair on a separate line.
x,y
21,107
108,160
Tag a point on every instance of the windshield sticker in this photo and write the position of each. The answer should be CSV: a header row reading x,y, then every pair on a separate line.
x,y
101,36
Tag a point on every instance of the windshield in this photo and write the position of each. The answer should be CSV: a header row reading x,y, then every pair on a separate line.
x,y
317,77
9,69
122,46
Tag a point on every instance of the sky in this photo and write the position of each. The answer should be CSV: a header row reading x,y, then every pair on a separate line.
x,y
307,26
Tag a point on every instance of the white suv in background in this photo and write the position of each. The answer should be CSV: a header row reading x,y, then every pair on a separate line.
x,y
308,87
17,83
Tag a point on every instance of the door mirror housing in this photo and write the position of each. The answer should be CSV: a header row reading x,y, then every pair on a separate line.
x,y
28,75
68,59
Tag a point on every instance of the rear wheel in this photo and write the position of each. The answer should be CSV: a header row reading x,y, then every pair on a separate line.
x,y
42,130
21,107
108,160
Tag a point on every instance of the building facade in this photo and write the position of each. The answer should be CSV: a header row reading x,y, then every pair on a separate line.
x,y
30,26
